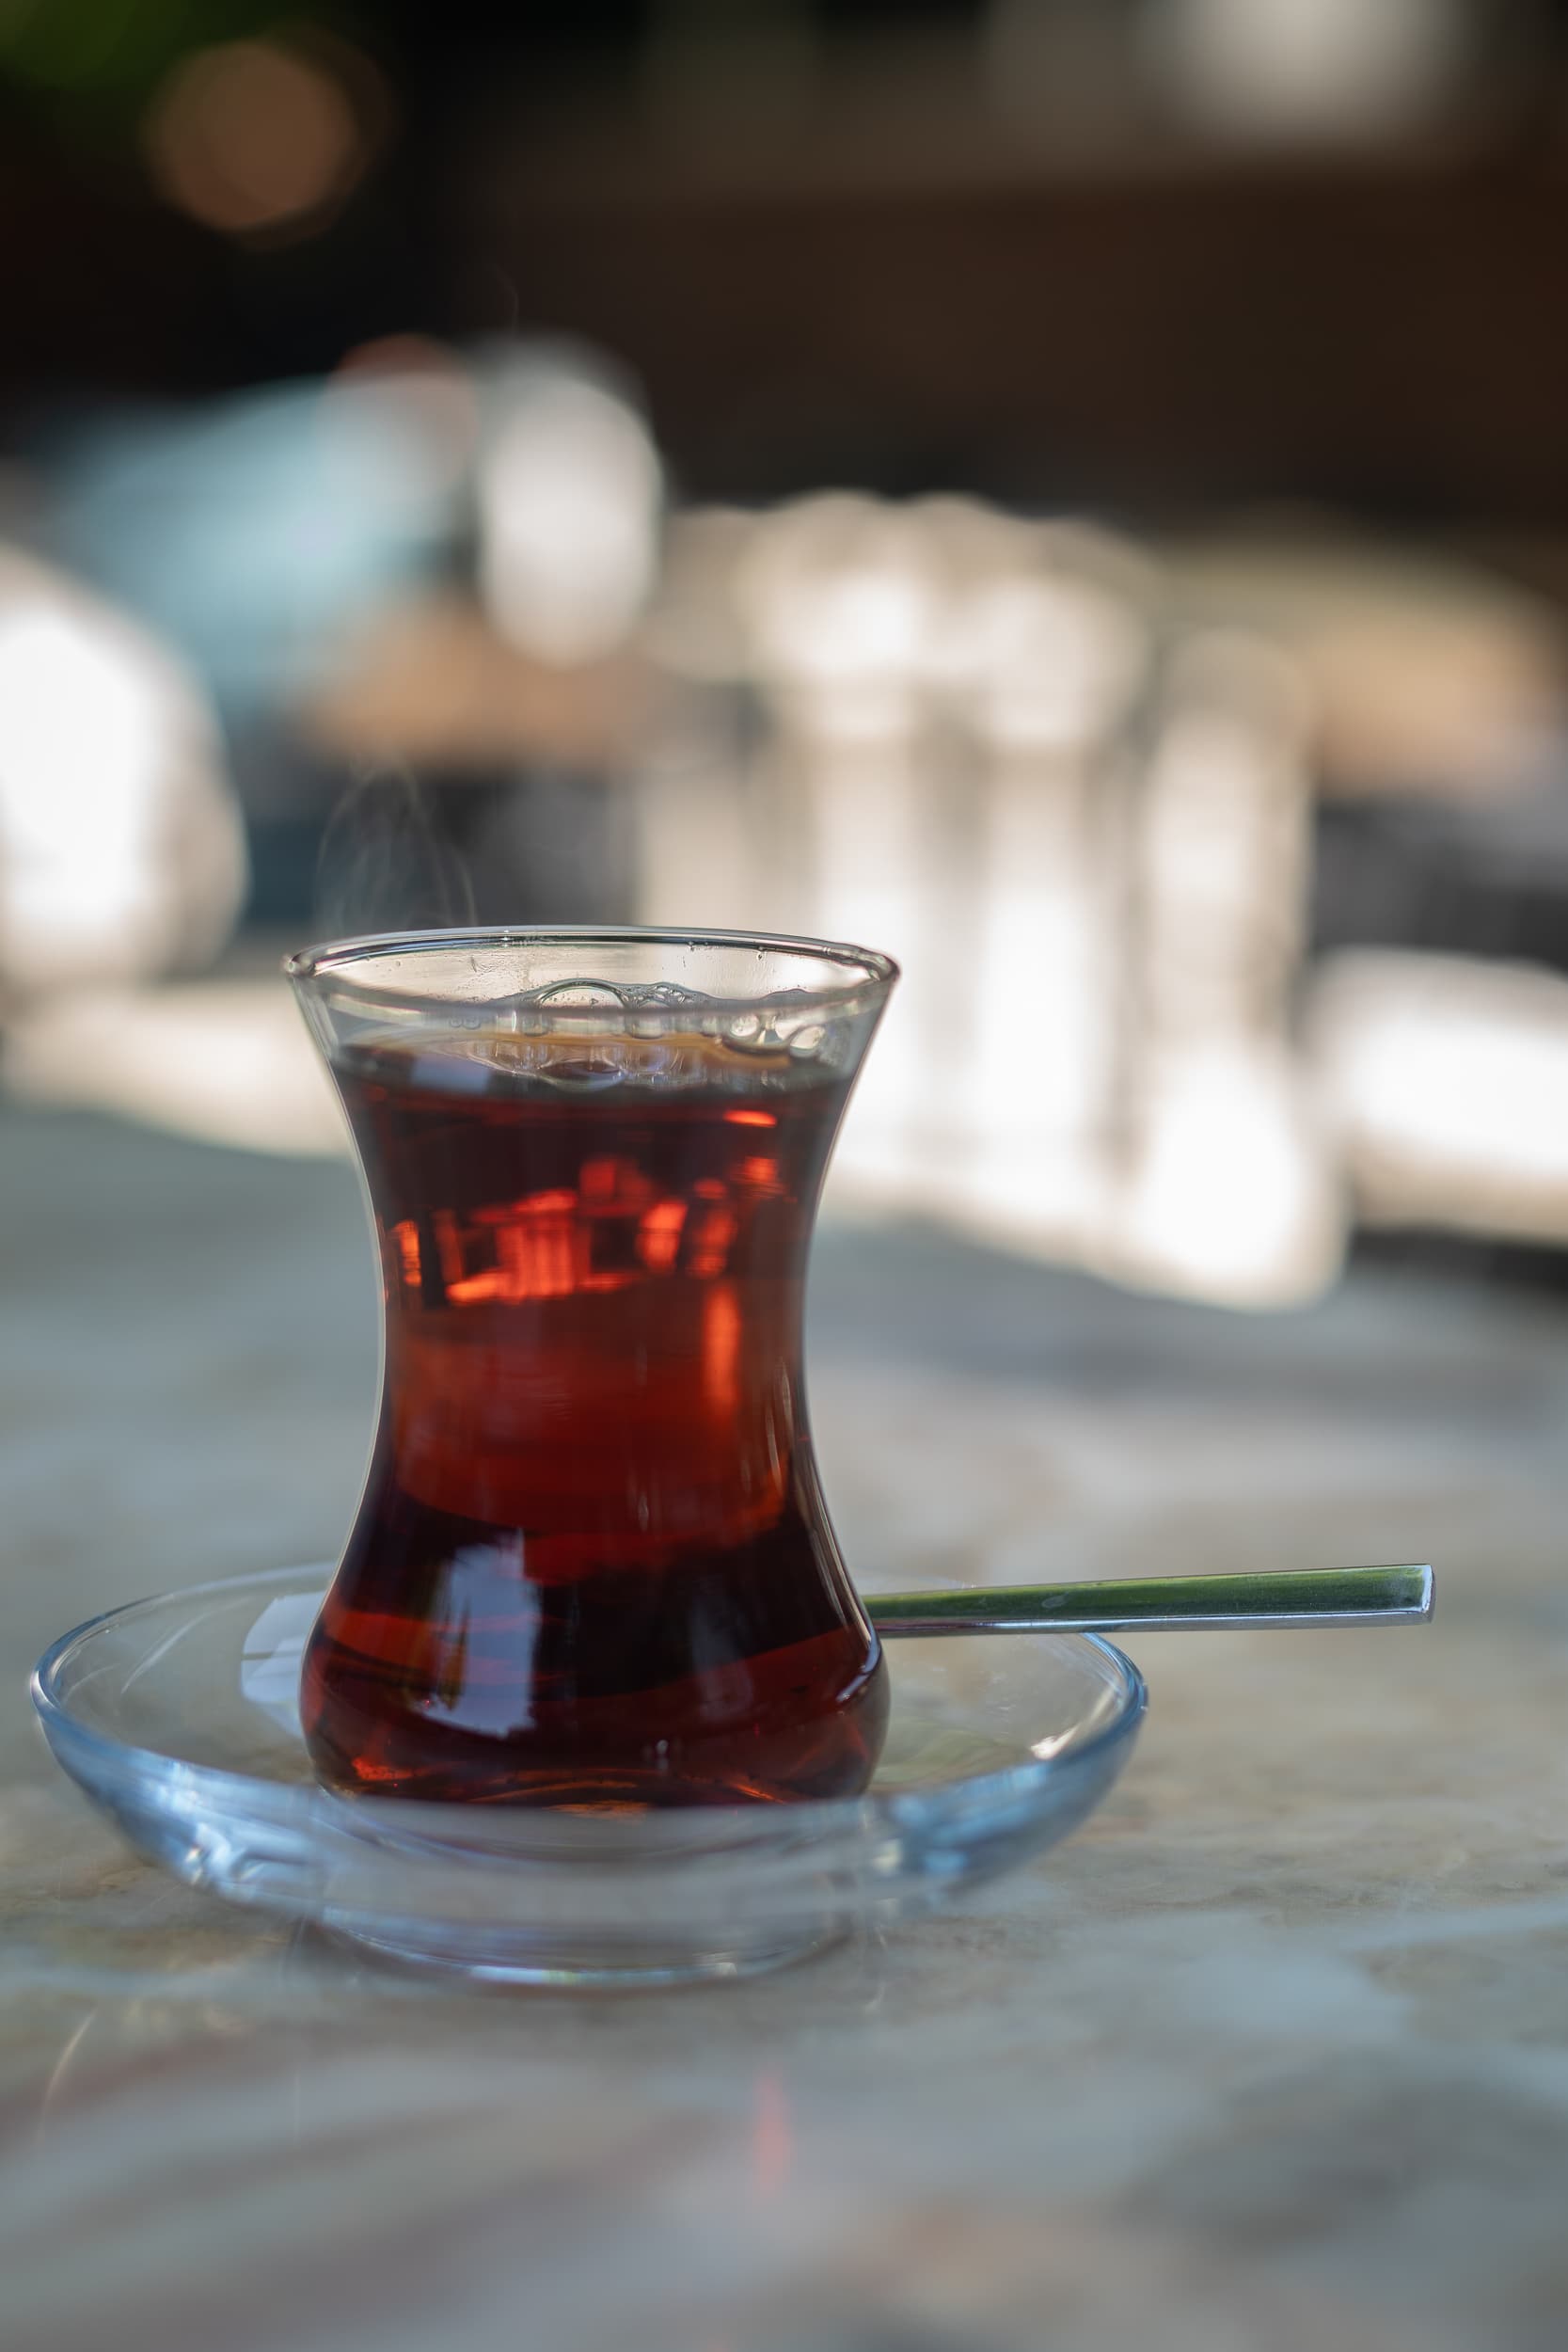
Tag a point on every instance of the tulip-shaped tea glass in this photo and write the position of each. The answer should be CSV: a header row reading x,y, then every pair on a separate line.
x,y
592,1566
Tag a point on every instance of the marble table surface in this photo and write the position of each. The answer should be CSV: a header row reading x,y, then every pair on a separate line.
x,y
1273,2054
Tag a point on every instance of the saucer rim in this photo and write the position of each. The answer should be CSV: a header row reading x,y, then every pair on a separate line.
x,y
813,1815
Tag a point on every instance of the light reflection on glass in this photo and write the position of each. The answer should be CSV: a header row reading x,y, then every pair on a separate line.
x,y
482,1584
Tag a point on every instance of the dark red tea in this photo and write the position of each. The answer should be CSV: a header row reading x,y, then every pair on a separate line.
x,y
592,1565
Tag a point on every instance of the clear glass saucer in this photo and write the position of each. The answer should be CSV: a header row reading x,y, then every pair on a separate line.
x,y
177,1717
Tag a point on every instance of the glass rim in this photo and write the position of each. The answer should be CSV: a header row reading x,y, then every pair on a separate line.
x,y
873,975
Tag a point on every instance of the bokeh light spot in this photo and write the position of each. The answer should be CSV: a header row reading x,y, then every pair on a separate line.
x,y
256,139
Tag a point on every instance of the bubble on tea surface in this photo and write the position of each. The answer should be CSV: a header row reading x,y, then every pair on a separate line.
x,y
568,995
667,993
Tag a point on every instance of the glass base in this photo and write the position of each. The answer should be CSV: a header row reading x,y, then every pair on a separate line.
x,y
582,1968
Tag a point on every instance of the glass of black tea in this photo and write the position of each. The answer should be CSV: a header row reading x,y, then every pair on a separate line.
x,y
592,1566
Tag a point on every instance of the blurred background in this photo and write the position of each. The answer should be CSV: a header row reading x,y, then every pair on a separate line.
x,y
1071,492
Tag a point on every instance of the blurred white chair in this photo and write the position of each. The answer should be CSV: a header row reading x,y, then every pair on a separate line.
x,y
841,605
924,709
1228,1189
948,732
1044,662
1445,1082
121,848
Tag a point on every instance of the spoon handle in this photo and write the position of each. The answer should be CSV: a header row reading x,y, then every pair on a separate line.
x,y
1309,1596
